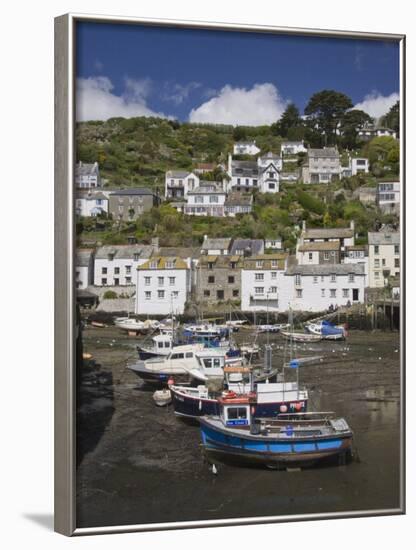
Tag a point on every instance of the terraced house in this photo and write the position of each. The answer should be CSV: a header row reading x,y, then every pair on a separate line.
x,y
261,282
130,204
218,278
321,165
116,265
163,285
179,182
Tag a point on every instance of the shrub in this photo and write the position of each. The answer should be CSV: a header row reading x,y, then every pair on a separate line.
x,y
110,295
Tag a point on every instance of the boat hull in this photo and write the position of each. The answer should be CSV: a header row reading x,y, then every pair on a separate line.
x,y
217,444
195,407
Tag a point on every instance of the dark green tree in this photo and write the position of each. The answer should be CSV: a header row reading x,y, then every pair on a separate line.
x,y
325,110
290,119
392,118
351,122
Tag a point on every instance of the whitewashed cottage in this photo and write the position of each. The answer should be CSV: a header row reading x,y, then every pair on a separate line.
x,y
116,265
87,175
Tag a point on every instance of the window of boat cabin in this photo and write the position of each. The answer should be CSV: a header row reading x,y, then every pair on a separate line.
x,y
236,413
177,356
212,362
160,344
167,344
189,354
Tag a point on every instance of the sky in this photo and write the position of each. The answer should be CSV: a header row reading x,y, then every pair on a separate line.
x,y
239,78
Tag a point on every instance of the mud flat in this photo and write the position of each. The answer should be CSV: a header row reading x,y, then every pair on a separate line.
x,y
138,463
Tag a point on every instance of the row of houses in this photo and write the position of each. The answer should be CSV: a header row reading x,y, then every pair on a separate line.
x,y
328,269
123,204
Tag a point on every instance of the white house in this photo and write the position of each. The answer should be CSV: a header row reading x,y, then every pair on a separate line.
x,y
273,243
369,132
317,287
357,254
87,176
162,287
179,182
248,175
84,267
115,265
292,147
216,246
261,282
245,148
356,165
388,196
383,257
91,203
206,200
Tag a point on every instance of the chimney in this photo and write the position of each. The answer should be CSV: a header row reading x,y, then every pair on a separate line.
x,y
303,225
155,243
352,225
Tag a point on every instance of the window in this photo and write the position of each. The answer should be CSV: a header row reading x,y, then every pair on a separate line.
x,y
396,262
273,290
199,199
136,257
117,270
220,295
172,281
345,292
161,294
211,279
213,198
189,354
273,263
128,268
376,249
259,290
333,278
247,181
298,293
273,274
175,294
376,262
128,280
376,274
271,175
396,249
233,265
259,263
333,293
236,413
238,181
207,293
322,293
298,280
104,271
153,264
259,276
315,279
103,282
177,356
255,183
231,280
272,186
170,264
310,255
326,255
116,282
322,278
351,278
210,265
147,281
160,281
383,262
235,293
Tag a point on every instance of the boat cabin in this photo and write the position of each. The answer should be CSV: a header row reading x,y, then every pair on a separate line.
x,y
162,343
237,413
211,362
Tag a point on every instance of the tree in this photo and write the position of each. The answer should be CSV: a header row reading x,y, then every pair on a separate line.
x,y
239,133
351,122
383,152
392,118
289,120
325,110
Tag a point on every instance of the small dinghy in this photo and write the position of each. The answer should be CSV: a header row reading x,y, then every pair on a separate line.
x,y
162,397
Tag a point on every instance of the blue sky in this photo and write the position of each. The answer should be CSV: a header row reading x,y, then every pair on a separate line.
x,y
218,76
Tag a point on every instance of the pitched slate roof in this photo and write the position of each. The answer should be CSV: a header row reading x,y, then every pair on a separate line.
x,y
83,256
255,246
220,261
91,195
325,269
178,251
329,245
268,261
384,238
163,262
270,156
177,173
329,233
124,251
239,199
292,143
208,189
323,153
244,168
216,243
86,169
133,191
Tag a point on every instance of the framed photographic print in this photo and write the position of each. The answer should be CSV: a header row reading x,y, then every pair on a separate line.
x,y
229,274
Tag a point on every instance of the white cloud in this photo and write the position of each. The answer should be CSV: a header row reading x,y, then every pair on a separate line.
x,y
377,105
262,104
96,100
177,93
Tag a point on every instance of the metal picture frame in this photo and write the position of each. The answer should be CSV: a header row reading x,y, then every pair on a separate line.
x,y
65,314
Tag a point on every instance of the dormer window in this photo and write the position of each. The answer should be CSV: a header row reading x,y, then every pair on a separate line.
x,y
170,264
153,264
111,256
259,263
274,263
136,256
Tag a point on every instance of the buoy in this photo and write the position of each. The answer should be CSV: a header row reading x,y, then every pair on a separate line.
x,y
283,408
298,406
171,381
214,470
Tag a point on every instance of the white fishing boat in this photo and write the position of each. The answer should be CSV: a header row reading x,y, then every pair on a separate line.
x,y
327,330
182,363
272,328
162,397
301,336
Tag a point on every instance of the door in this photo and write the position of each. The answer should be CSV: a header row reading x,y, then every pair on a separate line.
x,y
355,294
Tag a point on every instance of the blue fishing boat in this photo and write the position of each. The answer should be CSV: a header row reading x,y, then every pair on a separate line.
x,y
290,439
327,330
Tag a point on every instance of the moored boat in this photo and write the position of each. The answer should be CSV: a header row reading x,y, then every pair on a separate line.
x,y
162,397
300,438
301,336
327,330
